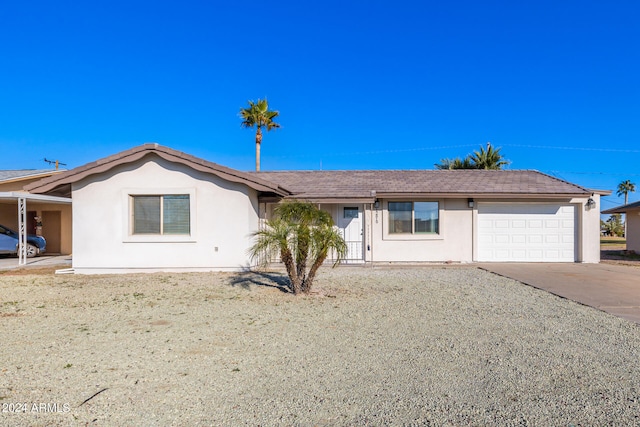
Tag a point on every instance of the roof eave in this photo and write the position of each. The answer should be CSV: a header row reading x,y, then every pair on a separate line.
x,y
394,195
332,199
510,196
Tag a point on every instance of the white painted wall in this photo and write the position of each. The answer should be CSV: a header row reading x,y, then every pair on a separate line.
x,y
224,214
454,243
588,230
458,234
633,231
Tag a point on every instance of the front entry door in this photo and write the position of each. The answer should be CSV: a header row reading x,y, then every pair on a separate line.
x,y
350,223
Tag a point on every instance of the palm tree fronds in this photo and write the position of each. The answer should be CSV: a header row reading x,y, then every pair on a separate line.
x,y
302,234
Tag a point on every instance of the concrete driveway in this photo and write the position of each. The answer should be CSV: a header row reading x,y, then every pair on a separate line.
x,y
608,287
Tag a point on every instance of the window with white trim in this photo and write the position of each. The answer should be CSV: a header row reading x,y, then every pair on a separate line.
x,y
414,218
161,214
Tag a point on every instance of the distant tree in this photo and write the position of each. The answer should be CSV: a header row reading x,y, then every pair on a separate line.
x,y
613,226
259,116
489,158
456,163
626,187
302,234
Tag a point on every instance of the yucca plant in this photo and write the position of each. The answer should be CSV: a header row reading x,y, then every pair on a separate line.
x,y
303,235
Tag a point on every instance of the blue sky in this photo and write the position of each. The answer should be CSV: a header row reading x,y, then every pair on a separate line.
x,y
359,84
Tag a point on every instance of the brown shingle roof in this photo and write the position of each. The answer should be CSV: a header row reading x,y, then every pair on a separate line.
x,y
339,185
60,183
317,185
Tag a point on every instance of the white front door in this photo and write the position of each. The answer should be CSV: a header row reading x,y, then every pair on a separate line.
x,y
526,232
350,223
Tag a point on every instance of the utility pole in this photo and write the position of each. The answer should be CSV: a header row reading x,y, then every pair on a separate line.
x,y
56,162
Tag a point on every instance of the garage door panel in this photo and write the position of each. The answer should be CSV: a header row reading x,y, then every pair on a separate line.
x,y
526,232
501,253
534,254
552,254
519,238
502,238
552,238
535,239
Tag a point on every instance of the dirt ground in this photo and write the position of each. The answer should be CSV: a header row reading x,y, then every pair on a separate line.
x,y
438,345
616,253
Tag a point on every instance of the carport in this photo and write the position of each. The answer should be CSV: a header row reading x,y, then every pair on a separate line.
x,y
20,200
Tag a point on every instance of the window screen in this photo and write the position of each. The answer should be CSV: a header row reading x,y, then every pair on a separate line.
x,y
167,214
414,217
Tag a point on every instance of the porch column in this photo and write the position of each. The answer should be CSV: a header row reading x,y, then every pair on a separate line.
x,y
22,231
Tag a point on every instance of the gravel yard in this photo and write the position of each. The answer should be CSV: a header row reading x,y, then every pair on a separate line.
x,y
442,346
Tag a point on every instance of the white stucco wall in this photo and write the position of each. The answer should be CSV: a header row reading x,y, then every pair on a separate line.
x,y
453,243
223,216
588,230
457,235
633,231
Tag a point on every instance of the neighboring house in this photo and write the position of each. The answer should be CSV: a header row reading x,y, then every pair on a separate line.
x,y
53,213
152,208
632,218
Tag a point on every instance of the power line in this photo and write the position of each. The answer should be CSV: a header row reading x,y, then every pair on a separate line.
x,y
551,172
446,147
352,153
549,147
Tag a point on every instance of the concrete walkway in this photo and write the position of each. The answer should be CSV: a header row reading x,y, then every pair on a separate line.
x,y
608,287
9,263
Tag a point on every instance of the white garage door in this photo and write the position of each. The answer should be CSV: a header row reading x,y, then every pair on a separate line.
x,y
526,232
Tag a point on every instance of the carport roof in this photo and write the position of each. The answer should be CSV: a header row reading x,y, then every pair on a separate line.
x,y
23,174
624,208
13,196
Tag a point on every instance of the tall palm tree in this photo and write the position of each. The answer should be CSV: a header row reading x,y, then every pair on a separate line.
x,y
626,187
259,116
489,158
300,232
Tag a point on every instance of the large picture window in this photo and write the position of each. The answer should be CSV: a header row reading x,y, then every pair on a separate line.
x,y
413,218
166,214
